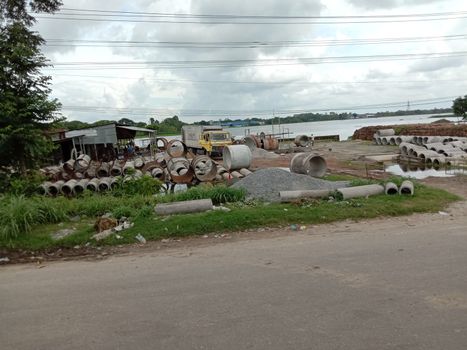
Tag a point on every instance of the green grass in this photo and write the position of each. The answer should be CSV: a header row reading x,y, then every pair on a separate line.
x,y
241,217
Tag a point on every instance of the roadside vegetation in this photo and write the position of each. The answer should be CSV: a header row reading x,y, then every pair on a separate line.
x,y
28,222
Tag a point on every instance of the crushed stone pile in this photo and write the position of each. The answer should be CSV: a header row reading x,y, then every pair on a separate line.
x,y
265,184
261,153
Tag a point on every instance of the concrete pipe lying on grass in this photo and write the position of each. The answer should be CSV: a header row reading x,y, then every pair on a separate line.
x,y
44,188
55,187
302,140
81,186
115,182
105,184
128,168
237,157
204,167
290,196
406,188
385,132
68,188
185,207
93,185
116,170
360,191
391,188
309,164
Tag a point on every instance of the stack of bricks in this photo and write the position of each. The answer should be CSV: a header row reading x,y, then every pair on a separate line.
x,y
443,129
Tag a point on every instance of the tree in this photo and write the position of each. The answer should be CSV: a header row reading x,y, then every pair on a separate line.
x,y
126,121
25,108
459,107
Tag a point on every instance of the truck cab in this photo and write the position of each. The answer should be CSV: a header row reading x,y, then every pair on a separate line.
x,y
214,141
207,139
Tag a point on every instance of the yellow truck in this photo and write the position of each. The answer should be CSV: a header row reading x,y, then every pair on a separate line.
x,y
206,139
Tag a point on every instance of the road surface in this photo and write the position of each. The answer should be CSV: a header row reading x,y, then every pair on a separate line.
x,y
396,283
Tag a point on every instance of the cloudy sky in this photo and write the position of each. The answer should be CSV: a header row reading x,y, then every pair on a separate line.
x,y
306,55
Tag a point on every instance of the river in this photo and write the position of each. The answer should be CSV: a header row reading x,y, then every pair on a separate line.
x,y
343,128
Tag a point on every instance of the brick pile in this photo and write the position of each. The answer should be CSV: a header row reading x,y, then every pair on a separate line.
x,y
443,129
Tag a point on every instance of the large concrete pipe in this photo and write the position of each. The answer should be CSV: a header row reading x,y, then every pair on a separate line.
x,y
161,143
69,165
270,144
385,132
245,172
44,188
81,186
55,187
377,140
237,157
407,188
290,196
251,141
391,188
404,148
392,141
384,141
90,172
68,188
432,139
129,168
400,139
360,191
176,149
221,170
302,141
105,184
115,182
308,164
139,163
204,167
236,175
82,162
93,185
158,173
116,170
66,176
423,155
104,170
185,207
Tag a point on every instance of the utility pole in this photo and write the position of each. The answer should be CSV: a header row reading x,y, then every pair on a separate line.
x,y
408,105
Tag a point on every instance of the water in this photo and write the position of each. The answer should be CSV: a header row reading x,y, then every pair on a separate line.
x,y
421,172
343,128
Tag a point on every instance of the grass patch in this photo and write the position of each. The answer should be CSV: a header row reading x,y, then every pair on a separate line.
x,y
241,217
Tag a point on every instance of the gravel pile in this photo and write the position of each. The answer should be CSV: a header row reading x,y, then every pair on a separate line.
x,y
265,184
261,153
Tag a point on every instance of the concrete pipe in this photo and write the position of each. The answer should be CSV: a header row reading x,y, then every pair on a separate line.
x,y
176,149
251,141
66,176
82,162
55,187
161,143
115,182
68,188
308,164
195,206
78,176
360,191
236,175
69,165
290,196
221,170
138,163
406,188
104,170
226,176
237,157
116,170
391,188
81,186
377,140
302,140
458,144
423,155
158,173
183,179
93,185
414,139
433,139
218,178
384,141
385,132
392,141
270,144
105,184
129,168
245,172
204,167
404,148
44,188
90,173
420,140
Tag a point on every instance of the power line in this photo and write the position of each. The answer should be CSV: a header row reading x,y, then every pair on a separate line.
x,y
245,44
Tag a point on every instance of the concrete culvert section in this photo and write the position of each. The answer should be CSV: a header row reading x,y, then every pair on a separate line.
x,y
81,186
251,141
391,188
302,141
237,157
385,132
361,191
308,164
407,188
204,167
176,149
68,188
105,184
93,185
290,196
184,207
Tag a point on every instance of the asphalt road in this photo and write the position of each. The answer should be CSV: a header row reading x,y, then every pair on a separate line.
x,y
381,284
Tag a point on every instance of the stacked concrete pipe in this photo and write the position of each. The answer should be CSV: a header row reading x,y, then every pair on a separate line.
x,y
68,188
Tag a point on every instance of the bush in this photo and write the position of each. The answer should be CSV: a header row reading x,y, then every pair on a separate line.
x,y
121,211
17,184
145,185
17,215
218,194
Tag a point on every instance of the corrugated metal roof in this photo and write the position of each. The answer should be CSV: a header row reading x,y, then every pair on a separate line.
x,y
135,128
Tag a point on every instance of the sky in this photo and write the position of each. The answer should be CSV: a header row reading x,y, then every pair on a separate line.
x,y
276,66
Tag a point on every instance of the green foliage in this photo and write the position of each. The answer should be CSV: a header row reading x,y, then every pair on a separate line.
x,y
459,107
18,184
218,194
122,210
145,186
25,108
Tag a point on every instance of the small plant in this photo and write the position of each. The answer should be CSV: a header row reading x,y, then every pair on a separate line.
x,y
218,194
145,185
121,211
17,216
17,184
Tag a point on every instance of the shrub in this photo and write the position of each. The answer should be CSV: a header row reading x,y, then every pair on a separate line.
x,y
218,194
145,185
121,211
21,184
17,215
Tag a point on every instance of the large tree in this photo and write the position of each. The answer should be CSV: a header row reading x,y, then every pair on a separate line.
x,y
459,107
25,107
